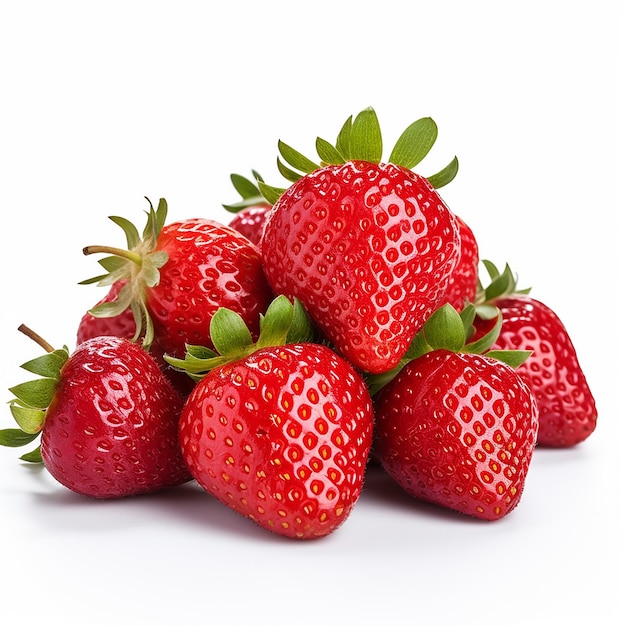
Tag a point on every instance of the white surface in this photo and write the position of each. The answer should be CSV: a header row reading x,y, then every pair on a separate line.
x,y
104,103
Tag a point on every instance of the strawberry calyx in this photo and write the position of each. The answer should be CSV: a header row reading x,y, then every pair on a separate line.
x,y
248,190
502,283
284,322
138,266
32,398
360,139
448,329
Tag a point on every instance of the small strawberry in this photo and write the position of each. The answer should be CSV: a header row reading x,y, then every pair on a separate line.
x,y
567,409
178,275
368,247
279,431
107,417
464,280
251,211
458,428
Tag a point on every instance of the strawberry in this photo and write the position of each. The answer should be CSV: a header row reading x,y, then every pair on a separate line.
x,y
367,247
178,275
107,417
464,279
567,409
458,428
251,211
278,430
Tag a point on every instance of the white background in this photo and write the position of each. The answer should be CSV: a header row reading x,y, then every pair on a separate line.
x,y
104,103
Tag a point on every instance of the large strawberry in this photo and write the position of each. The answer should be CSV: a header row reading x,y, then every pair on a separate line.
x,y
567,409
107,416
177,275
368,247
251,211
279,431
456,427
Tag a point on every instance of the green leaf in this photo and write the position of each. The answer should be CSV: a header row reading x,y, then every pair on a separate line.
x,y
113,263
366,141
275,324
15,437
36,394
200,352
48,365
480,346
115,307
343,139
30,420
131,232
229,333
291,175
414,143
328,153
95,279
271,194
444,329
296,159
34,456
301,330
513,358
446,175
235,207
244,186
156,220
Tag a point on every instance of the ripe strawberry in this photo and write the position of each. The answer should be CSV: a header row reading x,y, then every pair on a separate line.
x,y
178,275
368,247
567,409
464,279
278,431
107,416
457,428
251,211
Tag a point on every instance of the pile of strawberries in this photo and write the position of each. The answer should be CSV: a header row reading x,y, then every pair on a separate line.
x,y
332,324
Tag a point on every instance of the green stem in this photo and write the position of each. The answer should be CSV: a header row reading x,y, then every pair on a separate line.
x,y
125,254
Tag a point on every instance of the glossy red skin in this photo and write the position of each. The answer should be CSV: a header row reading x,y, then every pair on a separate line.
x,y
369,250
209,266
567,409
458,430
282,437
251,221
464,279
111,429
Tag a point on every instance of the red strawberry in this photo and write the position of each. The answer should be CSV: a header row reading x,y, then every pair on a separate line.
x,y
567,409
178,275
251,211
279,433
368,247
464,279
107,416
457,429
